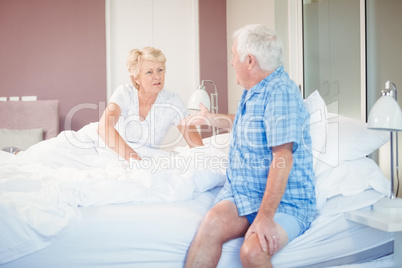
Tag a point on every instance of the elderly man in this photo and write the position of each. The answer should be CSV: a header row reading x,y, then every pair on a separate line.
x,y
269,195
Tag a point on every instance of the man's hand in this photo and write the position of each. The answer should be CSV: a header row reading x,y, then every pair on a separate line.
x,y
265,229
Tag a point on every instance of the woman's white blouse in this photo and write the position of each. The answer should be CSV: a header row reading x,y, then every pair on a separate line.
x,y
167,110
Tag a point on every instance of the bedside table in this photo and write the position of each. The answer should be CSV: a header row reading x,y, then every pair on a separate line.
x,y
384,222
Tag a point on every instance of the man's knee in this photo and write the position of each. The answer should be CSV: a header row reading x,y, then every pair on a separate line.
x,y
251,253
212,224
222,223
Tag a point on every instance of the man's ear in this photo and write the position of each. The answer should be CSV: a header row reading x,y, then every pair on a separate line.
x,y
251,61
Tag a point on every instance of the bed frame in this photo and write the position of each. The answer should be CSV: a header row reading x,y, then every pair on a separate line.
x,y
31,114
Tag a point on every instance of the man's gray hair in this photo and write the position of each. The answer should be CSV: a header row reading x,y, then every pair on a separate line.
x,y
262,42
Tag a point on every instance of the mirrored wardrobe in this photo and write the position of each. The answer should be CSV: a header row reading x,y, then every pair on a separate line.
x,y
332,54
351,48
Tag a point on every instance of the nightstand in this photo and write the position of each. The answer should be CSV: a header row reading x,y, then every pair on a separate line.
x,y
384,222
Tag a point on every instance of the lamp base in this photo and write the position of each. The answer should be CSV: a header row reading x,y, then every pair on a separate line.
x,y
388,206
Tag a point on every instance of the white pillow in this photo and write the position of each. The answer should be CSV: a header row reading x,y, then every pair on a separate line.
x,y
341,203
350,178
20,138
348,139
318,121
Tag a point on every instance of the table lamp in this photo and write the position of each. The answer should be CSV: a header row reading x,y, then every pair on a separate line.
x,y
386,115
200,95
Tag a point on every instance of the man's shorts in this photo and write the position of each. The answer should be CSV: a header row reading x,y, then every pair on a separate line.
x,y
289,223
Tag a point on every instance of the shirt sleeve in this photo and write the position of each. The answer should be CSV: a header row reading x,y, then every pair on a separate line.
x,y
281,117
122,98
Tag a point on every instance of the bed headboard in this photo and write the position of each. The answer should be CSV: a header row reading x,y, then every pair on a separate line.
x,y
31,114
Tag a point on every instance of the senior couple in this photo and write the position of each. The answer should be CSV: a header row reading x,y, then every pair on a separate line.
x,y
269,205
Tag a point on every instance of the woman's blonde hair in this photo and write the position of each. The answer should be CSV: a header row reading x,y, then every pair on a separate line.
x,y
137,56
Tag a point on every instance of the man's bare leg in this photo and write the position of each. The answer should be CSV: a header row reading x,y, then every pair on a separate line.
x,y
221,224
251,254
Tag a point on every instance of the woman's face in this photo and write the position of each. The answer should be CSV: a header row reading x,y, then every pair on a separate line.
x,y
152,77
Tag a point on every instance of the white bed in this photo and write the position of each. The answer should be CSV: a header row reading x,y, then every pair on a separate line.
x,y
158,235
88,217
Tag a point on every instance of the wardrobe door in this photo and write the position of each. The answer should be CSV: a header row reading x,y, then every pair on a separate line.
x,y
332,63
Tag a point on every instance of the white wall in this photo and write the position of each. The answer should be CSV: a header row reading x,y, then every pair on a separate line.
x,y
284,16
241,13
171,26
289,27
384,61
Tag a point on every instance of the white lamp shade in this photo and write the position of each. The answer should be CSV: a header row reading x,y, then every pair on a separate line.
x,y
199,96
385,115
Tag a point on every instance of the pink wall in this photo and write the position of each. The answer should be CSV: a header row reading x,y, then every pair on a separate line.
x,y
213,50
55,49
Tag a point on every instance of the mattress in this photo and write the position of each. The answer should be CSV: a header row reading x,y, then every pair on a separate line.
x,y
159,235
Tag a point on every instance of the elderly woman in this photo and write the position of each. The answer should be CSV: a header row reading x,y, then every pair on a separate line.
x,y
141,114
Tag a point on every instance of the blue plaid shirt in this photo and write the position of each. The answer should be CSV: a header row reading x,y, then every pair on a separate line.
x,y
270,114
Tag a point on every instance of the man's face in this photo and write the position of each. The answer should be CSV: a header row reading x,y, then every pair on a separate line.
x,y
239,67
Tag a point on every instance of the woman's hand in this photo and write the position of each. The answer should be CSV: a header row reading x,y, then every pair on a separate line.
x,y
203,117
131,154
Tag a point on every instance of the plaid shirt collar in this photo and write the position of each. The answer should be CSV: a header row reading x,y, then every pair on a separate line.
x,y
261,85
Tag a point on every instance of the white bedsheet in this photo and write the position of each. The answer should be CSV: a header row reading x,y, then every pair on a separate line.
x,y
41,189
159,235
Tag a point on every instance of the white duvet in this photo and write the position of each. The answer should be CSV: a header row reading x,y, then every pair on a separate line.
x,y
41,189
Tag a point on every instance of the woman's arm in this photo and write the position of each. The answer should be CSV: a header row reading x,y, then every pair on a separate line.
x,y
111,136
204,117
191,135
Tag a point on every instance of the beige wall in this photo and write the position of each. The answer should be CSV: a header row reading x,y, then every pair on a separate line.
x,y
240,13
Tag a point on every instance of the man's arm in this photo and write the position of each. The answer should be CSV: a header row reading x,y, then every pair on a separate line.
x,y
264,225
